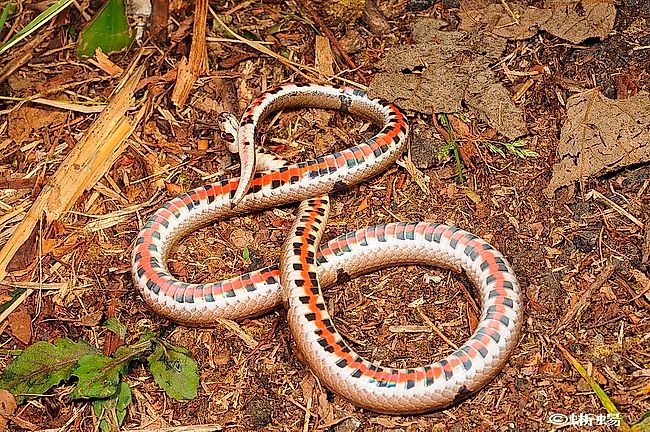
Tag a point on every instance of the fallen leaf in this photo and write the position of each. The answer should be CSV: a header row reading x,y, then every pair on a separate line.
x,y
436,74
104,63
601,136
8,406
363,205
574,21
20,323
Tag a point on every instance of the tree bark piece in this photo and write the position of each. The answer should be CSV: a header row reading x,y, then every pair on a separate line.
x,y
190,70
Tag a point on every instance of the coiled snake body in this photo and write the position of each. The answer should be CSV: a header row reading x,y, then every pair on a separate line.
x,y
307,266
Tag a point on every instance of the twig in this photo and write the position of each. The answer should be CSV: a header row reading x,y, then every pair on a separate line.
x,y
297,67
595,194
95,153
236,329
436,329
323,27
576,309
264,341
261,48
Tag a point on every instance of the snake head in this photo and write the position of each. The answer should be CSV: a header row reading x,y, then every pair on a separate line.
x,y
228,130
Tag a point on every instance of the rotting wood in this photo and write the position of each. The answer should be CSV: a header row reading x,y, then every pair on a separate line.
x,y
190,69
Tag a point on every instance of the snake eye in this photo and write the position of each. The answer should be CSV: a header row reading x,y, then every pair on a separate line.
x,y
227,136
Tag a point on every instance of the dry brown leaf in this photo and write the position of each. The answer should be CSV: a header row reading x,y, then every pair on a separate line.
x,y
26,119
435,75
102,61
241,238
364,205
20,323
601,136
8,406
574,21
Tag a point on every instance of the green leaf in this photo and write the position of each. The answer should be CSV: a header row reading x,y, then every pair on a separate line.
x,y
108,30
174,371
99,376
9,8
496,149
111,411
114,325
249,35
246,254
36,23
42,366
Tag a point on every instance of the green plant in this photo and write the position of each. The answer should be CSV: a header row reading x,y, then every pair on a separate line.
x,y
6,10
35,24
517,148
451,146
108,30
44,365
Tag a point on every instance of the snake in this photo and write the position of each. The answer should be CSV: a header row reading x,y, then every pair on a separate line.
x,y
307,267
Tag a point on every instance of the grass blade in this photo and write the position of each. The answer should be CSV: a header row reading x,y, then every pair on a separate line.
x,y
9,8
36,23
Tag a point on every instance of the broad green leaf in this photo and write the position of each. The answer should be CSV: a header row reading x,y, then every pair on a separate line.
x,y
174,371
108,30
99,376
114,325
111,411
42,366
37,23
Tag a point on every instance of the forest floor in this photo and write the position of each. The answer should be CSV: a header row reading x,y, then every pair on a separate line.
x,y
567,204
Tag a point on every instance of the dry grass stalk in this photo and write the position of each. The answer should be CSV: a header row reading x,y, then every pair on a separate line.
x,y
93,155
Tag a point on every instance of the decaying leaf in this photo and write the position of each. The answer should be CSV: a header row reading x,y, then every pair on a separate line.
x,y
601,136
436,75
574,21
7,407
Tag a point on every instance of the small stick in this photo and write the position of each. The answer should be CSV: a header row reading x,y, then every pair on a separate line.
x,y
321,24
436,329
576,309
612,204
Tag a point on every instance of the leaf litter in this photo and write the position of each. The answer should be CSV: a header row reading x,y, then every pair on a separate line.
x,y
601,136
557,249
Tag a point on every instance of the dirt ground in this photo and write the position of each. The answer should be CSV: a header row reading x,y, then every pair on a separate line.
x,y
580,252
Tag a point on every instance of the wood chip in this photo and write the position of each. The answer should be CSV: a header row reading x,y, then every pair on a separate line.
x,y
324,56
102,61
190,70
